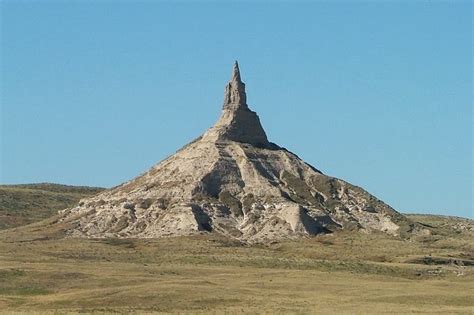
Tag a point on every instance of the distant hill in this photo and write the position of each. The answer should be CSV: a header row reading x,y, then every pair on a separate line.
x,y
24,204
444,225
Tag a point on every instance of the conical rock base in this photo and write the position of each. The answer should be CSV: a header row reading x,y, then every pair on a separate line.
x,y
233,181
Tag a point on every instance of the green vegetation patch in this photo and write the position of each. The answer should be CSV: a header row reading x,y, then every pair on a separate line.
x,y
124,242
300,191
8,274
231,202
24,291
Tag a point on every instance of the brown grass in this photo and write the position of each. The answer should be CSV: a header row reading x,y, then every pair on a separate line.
x,y
346,272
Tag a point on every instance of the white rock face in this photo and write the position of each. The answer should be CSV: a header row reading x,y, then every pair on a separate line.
x,y
233,181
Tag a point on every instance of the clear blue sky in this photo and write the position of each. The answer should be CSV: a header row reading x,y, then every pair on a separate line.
x,y
94,93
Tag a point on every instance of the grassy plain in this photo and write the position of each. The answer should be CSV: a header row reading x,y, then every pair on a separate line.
x,y
345,272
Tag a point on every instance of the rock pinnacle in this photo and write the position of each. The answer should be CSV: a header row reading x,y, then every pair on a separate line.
x,y
237,122
236,72
235,90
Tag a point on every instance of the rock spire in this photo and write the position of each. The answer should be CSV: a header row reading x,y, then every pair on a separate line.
x,y
237,122
235,90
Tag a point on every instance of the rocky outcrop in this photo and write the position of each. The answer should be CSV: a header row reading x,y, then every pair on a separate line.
x,y
237,122
233,181
234,95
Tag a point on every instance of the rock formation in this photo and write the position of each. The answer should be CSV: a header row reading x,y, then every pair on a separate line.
x,y
237,122
233,181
